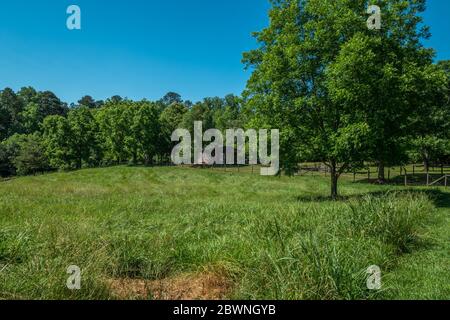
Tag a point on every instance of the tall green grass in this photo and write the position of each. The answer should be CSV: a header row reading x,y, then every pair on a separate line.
x,y
263,233
325,252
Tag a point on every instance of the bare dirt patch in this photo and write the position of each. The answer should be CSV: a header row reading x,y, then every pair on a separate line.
x,y
203,286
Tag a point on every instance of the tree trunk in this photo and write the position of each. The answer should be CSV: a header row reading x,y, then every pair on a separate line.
x,y
334,181
147,159
381,173
134,157
426,164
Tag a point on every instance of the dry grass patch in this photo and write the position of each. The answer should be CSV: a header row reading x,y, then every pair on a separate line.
x,y
202,286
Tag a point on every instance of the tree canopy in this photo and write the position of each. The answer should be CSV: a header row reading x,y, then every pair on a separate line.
x,y
339,92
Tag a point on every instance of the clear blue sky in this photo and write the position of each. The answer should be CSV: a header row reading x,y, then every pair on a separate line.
x,y
143,48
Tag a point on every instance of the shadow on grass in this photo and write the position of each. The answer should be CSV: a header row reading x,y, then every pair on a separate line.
x,y
418,179
439,198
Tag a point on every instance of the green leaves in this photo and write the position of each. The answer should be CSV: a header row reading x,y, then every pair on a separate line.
x,y
72,142
130,131
341,93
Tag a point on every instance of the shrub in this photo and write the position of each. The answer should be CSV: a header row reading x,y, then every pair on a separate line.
x,y
24,154
396,218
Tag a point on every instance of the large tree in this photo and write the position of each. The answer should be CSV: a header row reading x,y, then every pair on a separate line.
x,y
306,82
388,73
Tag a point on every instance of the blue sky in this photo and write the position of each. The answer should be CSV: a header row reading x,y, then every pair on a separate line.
x,y
143,48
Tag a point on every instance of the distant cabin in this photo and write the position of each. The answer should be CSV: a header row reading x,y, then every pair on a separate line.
x,y
205,160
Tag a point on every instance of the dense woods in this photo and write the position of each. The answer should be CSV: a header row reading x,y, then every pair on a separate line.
x,y
40,133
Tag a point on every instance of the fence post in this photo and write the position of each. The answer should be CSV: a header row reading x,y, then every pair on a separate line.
x,y
446,180
428,179
368,174
406,178
354,176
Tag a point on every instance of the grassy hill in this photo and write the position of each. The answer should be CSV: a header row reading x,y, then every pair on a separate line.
x,y
190,233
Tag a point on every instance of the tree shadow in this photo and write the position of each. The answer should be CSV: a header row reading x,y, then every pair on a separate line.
x,y
417,179
439,198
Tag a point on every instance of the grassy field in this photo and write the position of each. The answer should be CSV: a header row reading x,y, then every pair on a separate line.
x,y
144,233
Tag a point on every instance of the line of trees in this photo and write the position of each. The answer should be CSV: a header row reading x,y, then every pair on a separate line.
x,y
41,133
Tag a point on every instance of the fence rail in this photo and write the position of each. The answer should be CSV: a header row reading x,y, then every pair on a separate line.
x,y
444,178
408,175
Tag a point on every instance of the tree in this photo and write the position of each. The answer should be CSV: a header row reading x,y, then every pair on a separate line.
x,y
171,97
57,142
27,95
115,99
49,104
115,122
201,111
88,101
170,119
391,75
431,140
430,124
99,104
10,108
31,118
72,142
445,65
288,87
31,156
294,87
83,145
18,151
146,129
229,115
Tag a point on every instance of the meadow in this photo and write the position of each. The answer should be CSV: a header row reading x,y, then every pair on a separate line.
x,y
170,233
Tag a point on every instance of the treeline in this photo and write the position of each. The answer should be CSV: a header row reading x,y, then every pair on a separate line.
x,y
39,132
